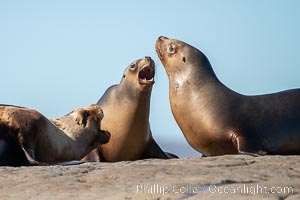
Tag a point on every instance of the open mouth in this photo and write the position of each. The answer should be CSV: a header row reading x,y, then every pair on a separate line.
x,y
146,75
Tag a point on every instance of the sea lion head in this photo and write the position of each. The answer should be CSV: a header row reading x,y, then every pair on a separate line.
x,y
90,119
140,73
178,57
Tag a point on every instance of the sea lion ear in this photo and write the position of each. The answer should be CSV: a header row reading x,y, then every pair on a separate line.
x,y
183,57
82,117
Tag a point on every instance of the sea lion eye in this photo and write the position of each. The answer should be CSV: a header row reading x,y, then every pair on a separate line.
x,y
171,49
133,66
82,120
86,114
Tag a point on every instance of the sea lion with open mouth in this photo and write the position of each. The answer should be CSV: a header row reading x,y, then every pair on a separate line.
x,y
127,107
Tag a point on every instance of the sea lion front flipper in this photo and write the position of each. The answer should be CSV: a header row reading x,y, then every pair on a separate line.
x,y
242,147
249,154
154,151
171,155
29,153
72,162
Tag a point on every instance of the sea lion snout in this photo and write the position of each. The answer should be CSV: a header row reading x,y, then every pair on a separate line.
x,y
104,137
148,59
159,46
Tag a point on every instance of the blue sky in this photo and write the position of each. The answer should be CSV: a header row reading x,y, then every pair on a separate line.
x,y
59,55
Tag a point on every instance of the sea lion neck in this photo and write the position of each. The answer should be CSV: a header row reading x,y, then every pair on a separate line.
x,y
134,91
76,141
197,72
203,70
132,101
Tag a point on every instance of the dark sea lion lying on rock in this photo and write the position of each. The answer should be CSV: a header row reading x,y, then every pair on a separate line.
x,y
27,137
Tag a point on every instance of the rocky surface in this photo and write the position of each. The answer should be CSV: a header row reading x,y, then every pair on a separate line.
x,y
224,177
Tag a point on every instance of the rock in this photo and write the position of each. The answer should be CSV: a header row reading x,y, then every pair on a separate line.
x,y
223,177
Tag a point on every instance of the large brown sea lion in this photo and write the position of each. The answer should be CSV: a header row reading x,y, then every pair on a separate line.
x,y
27,137
216,120
126,107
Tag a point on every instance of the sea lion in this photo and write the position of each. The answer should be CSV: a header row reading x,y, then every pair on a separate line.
x,y
27,137
127,107
216,120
